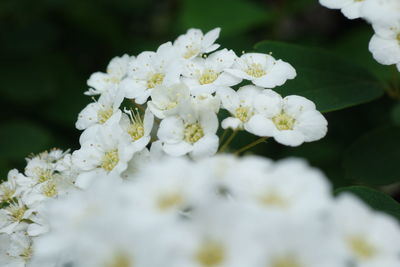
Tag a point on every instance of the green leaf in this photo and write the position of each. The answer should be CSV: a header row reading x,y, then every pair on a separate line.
x,y
375,199
374,158
330,81
18,139
233,16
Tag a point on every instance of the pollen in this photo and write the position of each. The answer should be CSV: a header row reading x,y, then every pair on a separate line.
x,y
210,254
136,128
44,175
193,133
361,247
286,262
155,79
104,114
168,201
16,212
110,160
208,76
273,199
256,70
243,114
283,121
50,189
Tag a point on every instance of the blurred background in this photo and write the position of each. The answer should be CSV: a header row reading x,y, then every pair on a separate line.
x,y
49,48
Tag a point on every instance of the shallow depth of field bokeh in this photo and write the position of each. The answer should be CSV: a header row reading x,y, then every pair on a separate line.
x,y
49,48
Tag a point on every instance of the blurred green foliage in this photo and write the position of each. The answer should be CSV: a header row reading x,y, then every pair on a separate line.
x,y
50,47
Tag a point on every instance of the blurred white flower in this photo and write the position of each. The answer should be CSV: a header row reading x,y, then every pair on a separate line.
x,y
350,8
385,44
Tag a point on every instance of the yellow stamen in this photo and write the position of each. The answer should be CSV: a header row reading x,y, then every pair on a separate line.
x,y
283,122
243,114
210,254
208,76
193,132
50,189
256,70
110,160
104,114
155,79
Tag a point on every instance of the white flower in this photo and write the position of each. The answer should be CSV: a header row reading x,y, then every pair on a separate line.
x,y
206,102
138,128
100,111
191,132
381,11
240,105
151,69
350,8
167,100
370,238
194,43
13,216
291,121
101,82
9,189
385,44
262,69
206,75
15,250
108,151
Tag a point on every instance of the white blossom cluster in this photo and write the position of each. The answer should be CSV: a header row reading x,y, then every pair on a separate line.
x,y
179,91
384,15
48,175
215,212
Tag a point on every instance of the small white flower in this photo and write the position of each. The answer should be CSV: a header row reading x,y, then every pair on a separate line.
x,y
106,153
370,238
138,128
240,105
385,44
191,132
263,70
149,70
350,8
167,100
100,111
15,250
291,121
13,216
101,82
9,189
206,75
194,43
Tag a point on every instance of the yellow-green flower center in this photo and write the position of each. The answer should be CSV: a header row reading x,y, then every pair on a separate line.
x,y
136,131
243,114
7,192
272,199
208,76
169,201
190,52
120,260
110,160
50,189
104,114
210,254
193,132
155,79
26,254
361,247
283,121
286,262
44,175
16,212
256,70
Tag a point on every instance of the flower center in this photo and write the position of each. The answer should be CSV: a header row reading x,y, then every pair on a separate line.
x,y
286,262
110,160
16,212
193,132
273,199
155,79
190,52
50,189
208,76
283,122
136,131
26,254
7,192
361,247
44,175
120,260
256,70
169,201
104,114
243,114
210,254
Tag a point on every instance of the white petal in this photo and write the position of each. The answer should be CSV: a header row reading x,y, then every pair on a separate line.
x,y
229,98
353,11
289,137
231,122
277,75
171,130
335,4
386,52
260,126
205,147
177,149
313,125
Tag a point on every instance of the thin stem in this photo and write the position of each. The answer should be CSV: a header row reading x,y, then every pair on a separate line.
x,y
223,136
258,141
138,106
228,141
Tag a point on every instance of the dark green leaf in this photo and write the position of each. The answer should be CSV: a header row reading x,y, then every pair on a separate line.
x,y
332,82
375,158
376,199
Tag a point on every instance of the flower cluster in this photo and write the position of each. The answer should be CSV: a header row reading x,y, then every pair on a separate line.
x,y
384,15
172,99
220,211
47,176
